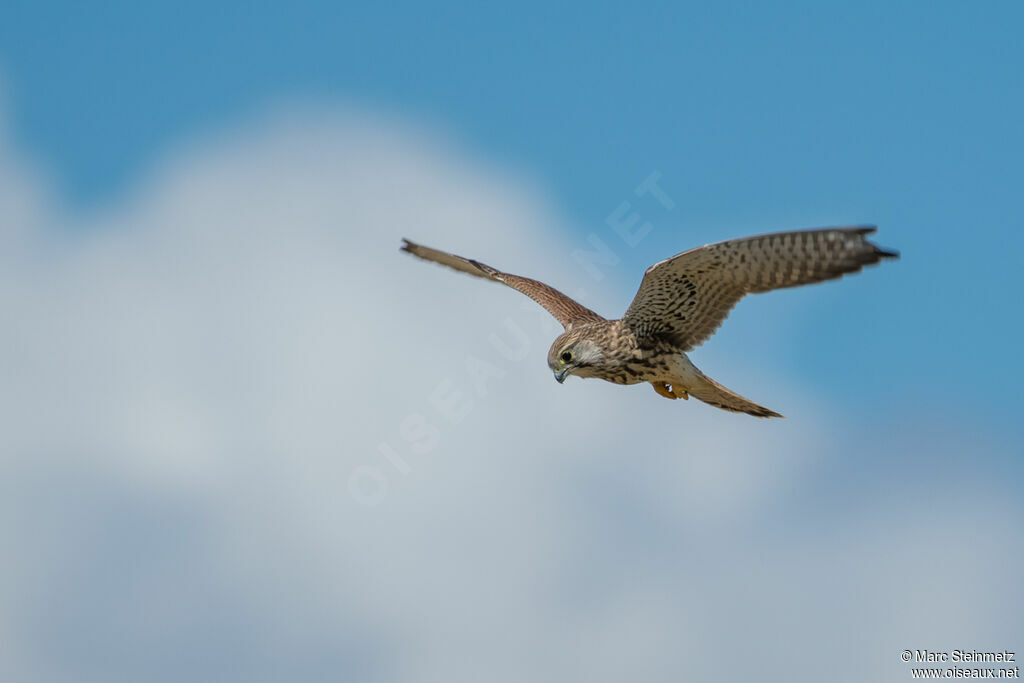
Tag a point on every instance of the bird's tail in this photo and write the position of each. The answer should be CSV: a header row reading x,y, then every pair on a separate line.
x,y
711,392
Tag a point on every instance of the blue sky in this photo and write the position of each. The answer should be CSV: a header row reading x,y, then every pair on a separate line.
x,y
760,116
200,209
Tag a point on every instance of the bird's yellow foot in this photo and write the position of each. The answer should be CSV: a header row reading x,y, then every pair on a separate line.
x,y
680,393
663,389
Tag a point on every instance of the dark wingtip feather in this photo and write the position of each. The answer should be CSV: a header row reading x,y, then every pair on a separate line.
x,y
879,251
406,245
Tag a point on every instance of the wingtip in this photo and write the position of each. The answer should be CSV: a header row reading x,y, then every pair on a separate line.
x,y
880,252
407,245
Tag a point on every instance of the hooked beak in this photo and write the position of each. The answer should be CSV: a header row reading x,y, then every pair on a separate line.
x,y
560,375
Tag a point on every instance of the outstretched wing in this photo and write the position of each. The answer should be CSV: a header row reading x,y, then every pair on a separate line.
x,y
684,299
566,311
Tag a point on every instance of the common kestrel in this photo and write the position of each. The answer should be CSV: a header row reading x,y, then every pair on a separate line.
x,y
681,302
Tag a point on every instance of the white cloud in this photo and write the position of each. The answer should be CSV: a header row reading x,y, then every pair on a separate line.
x,y
195,373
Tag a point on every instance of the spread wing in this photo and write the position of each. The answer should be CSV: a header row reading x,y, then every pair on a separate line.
x,y
684,299
566,310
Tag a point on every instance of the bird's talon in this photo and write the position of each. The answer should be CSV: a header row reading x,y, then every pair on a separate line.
x,y
663,389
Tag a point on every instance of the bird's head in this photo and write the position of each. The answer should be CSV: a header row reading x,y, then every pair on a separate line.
x,y
573,354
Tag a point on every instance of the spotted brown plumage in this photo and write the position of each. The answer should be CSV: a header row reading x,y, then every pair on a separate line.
x,y
686,298
681,302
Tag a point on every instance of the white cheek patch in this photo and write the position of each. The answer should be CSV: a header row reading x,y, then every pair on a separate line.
x,y
588,353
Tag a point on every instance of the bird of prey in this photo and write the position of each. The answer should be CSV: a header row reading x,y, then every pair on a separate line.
x,y
681,302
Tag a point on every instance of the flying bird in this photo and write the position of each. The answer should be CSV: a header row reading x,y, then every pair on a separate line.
x,y
681,302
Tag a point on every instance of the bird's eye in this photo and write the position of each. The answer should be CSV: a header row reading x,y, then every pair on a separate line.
x,y
566,356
